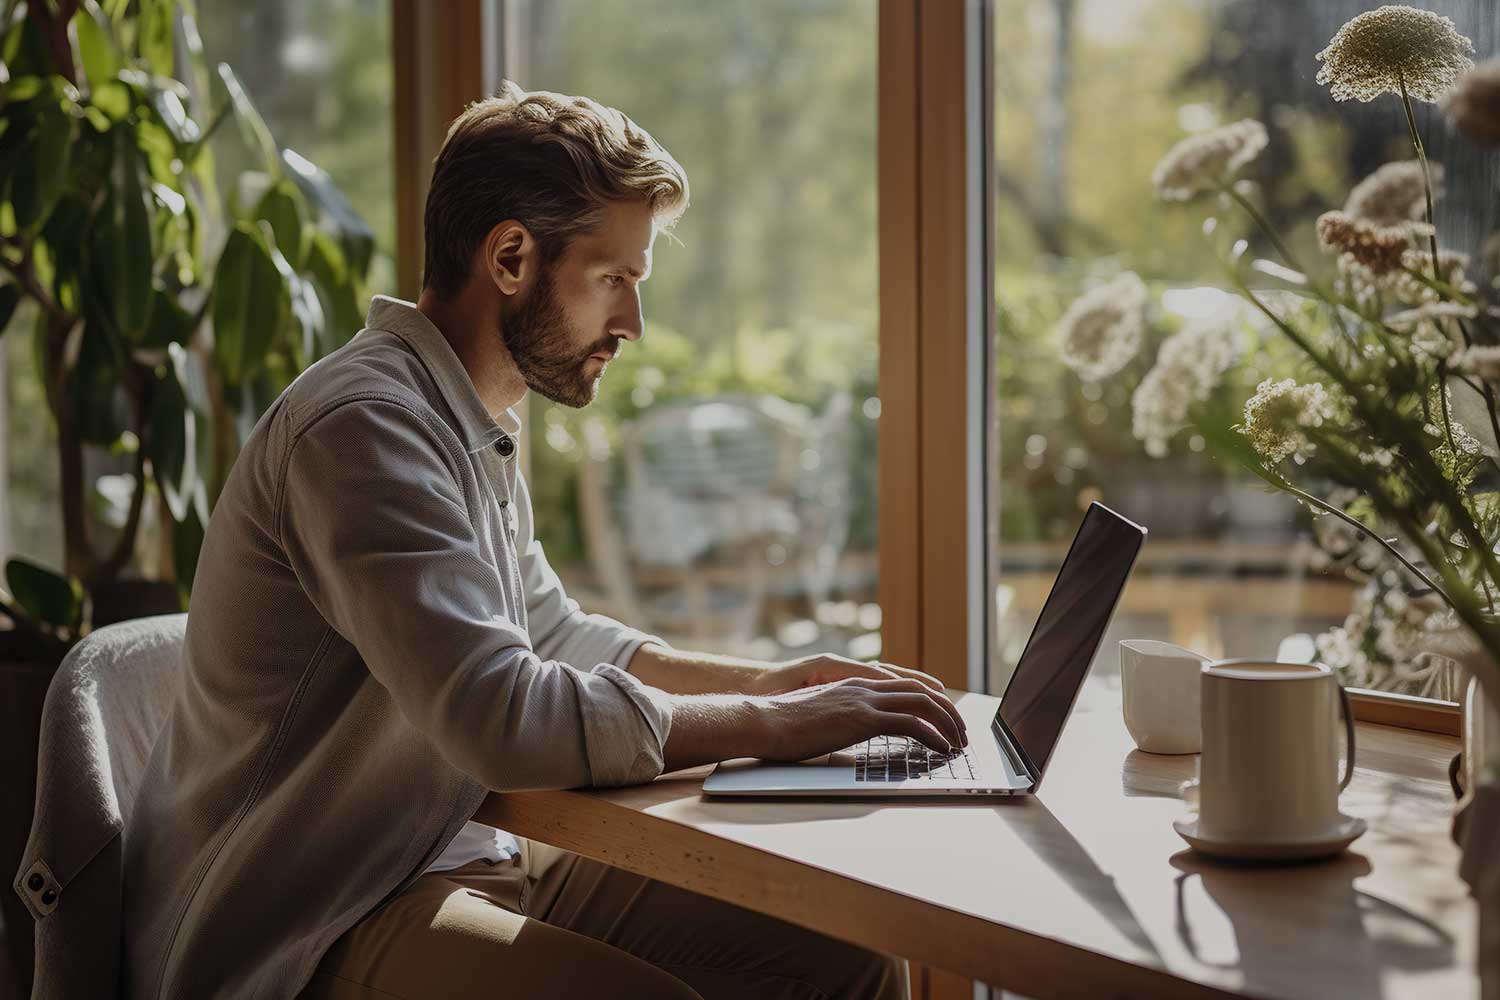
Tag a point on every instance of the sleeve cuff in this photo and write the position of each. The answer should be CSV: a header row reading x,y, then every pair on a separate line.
x,y
607,730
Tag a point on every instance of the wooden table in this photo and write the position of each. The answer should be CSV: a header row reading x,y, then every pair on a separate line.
x,y
1083,890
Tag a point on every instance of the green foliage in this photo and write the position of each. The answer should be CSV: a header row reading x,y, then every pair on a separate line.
x,y
44,595
164,318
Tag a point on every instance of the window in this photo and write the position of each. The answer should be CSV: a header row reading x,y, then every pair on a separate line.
x,y
1087,96
321,76
721,489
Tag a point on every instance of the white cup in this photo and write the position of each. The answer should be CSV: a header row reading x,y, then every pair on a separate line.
x,y
1160,688
1269,770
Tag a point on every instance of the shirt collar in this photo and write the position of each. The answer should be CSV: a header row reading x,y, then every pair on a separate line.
x,y
405,320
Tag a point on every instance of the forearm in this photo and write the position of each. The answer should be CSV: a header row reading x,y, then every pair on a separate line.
x,y
683,672
709,728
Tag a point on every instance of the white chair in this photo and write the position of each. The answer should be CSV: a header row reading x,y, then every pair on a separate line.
x,y
104,709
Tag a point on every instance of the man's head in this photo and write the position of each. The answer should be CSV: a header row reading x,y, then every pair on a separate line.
x,y
552,204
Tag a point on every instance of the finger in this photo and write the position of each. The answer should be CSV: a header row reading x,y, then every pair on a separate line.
x,y
889,684
928,707
911,673
901,724
909,686
917,684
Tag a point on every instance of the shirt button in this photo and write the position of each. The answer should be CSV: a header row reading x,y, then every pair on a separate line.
x,y
35,883
505,446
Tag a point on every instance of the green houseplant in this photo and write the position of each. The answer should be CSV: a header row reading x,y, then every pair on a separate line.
x,y
165,315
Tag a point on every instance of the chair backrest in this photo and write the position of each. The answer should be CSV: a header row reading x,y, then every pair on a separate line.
x,y
126,676
709,472
104,709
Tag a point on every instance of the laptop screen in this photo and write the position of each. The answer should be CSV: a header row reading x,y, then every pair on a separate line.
x,y
1068,632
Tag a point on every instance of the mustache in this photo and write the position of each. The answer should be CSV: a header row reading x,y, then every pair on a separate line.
x,y
609,346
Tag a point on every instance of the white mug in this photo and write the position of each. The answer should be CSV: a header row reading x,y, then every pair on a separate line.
x,y
1160,689
1269,770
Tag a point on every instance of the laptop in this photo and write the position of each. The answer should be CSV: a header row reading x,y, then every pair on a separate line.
x,y
1007,752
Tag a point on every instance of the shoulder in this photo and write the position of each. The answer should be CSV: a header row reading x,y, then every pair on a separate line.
x,y
363,416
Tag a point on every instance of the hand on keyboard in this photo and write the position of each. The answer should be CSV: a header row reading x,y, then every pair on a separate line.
x,y
817,720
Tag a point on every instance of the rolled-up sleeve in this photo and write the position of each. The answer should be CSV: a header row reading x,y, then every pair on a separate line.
x,y
377,519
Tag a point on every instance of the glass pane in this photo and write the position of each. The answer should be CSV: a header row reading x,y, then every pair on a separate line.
x,y
721,489
321,76
1088,96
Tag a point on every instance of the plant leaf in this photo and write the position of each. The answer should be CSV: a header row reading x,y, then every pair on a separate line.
x,y
281,206
96,50
187,543
354,233
44,595
155,39
172,437
169,323
42,175
252,125
249,300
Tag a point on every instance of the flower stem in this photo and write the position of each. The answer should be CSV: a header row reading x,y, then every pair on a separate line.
x,y
1328,508
1264,226
1416,141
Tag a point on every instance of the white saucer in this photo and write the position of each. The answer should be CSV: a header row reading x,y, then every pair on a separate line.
x,y
1324,845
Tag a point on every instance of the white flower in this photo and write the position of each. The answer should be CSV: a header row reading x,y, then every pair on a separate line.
x,y
1340,651
1429,343
1380,50
1188,369
1473,108
1394,194
1427,327
1481,361
1377,248
1429,313
1279,414
1208,160
1101,330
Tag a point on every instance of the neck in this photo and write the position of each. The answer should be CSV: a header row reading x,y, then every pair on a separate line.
x,y
471,324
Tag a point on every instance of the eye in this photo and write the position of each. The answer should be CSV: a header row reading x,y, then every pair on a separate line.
x,y
615,280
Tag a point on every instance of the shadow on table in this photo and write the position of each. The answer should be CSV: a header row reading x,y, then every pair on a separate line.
x,y
1156,775
1026,816
1347,936
1051,842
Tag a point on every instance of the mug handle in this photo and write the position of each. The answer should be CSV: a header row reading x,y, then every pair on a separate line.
x,y
1348,736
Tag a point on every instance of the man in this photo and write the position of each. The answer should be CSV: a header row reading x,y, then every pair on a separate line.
x,y
375,641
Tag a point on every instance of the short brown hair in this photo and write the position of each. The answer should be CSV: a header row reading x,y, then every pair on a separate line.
x,y
547,160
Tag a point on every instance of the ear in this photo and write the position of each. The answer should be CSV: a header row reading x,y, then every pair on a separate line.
x,y
508,256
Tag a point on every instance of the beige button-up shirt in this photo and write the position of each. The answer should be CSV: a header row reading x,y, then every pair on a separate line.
x,y
375,641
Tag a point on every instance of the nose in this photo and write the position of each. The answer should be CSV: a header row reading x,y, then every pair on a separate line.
x,y
632,323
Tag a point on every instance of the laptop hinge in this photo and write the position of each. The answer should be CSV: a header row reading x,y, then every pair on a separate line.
x,y
1012,752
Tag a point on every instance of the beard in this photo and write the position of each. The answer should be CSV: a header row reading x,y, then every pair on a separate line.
x,y
542,342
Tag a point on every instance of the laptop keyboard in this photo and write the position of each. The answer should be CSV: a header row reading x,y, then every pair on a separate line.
x,y
899,758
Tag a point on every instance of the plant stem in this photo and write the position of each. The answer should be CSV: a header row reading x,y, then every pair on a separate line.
x,y
1416,141
1264,226
1327,508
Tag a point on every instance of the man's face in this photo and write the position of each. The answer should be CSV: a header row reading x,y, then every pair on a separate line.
x,y
564,333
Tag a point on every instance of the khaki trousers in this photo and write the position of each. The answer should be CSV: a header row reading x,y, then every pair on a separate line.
x,y
554,924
